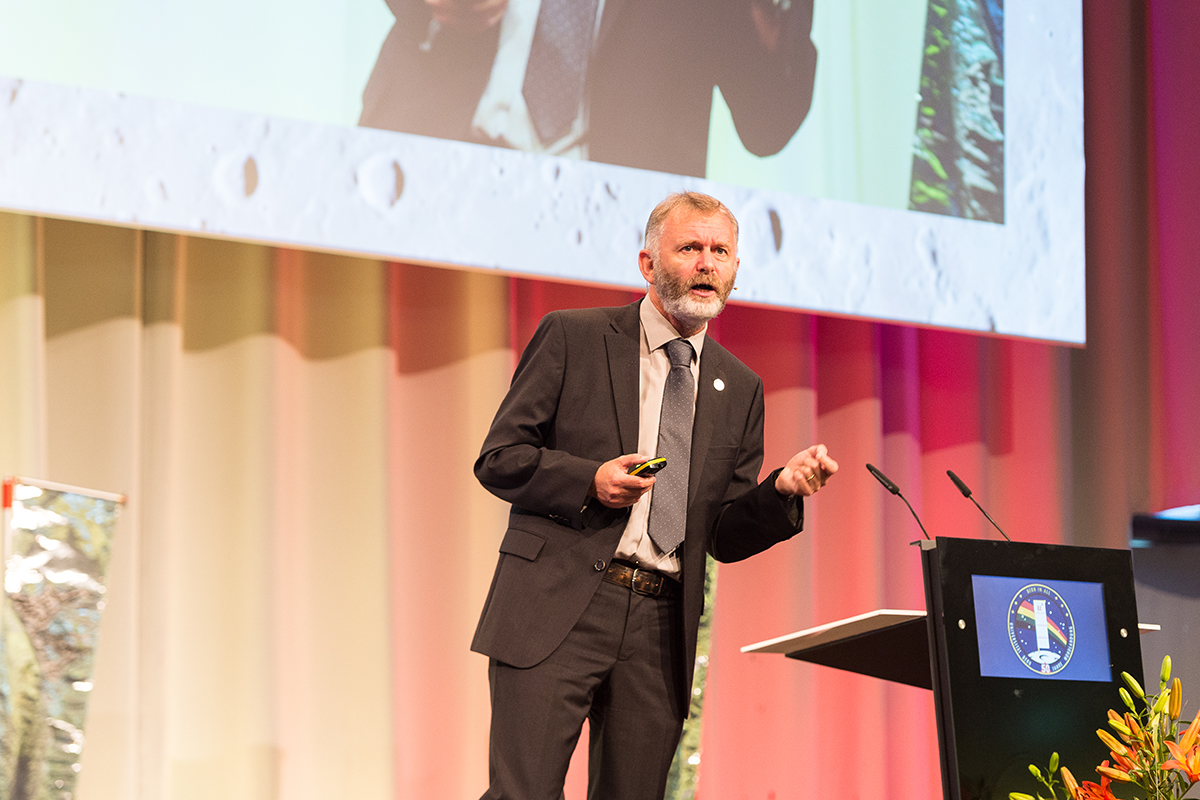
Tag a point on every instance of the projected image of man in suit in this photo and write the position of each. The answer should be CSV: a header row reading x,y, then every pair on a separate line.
x,y
595,604
617,81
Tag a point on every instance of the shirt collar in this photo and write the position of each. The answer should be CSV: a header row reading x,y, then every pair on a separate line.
x,y
659,331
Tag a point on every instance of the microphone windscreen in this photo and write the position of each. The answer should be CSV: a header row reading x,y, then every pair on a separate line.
x,y
879,476
962,487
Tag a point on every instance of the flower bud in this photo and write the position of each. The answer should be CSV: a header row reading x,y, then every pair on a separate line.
x,y
1133,685
1126,699
1118,725
1111,743
1134,727
1164,676
1070,782
1176,699
1115,774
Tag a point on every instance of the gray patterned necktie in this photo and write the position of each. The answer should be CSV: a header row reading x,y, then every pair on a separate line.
x,y
554,75
668,503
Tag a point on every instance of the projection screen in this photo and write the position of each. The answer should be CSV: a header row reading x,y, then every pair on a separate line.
x,y
917,161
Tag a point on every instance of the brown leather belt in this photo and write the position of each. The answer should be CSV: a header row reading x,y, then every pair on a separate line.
x,y
641,581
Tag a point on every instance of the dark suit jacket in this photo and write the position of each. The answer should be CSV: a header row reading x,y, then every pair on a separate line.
x,y
573,405
649,82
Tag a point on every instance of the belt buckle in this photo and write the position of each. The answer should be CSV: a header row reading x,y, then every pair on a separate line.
x,y
647,584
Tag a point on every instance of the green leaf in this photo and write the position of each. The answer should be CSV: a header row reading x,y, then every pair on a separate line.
x,y
931,193
936,165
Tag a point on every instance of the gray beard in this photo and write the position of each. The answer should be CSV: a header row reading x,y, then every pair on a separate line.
x,y
691,312
682,306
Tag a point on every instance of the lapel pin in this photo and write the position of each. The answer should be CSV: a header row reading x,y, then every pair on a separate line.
x,y
719,385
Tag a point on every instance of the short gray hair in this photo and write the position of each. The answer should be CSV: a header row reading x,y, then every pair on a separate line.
x,y
693,200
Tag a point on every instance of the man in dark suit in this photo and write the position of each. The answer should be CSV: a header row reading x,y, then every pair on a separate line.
x,y
594,609
457,69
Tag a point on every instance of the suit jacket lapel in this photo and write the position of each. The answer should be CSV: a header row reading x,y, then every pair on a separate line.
x,y
623,346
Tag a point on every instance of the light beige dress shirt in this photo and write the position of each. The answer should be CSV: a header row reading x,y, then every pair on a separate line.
x,y
636,545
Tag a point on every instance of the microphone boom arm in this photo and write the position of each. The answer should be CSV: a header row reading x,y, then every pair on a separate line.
x,y
966,492
914,513
894,489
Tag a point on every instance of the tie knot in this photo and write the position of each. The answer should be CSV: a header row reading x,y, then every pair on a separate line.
x,y
680,352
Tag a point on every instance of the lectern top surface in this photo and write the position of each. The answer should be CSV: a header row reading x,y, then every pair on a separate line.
x,y
835,631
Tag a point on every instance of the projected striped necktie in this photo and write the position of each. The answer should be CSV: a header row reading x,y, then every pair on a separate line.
x,y
668,503
557,66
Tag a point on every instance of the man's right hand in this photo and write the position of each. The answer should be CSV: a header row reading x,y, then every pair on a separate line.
x,y
468,13
615,487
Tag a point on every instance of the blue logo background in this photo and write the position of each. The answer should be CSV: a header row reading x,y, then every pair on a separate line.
x,y
1088,660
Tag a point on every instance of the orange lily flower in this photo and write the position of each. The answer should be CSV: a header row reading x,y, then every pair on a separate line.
x,y
1189,736
1090,791
1186,760
1127,761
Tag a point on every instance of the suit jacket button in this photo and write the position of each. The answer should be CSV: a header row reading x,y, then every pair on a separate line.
x,y
599,566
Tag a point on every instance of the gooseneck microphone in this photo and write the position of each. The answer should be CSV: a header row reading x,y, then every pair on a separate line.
x,y
894,489
966,492
879,476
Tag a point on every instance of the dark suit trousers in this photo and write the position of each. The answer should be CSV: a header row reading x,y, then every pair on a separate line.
x,y
618,669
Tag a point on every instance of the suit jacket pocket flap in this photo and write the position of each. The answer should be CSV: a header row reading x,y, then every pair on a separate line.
x,y
522,543
722,452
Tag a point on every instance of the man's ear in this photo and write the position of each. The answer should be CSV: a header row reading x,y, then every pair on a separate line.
x,y
646,266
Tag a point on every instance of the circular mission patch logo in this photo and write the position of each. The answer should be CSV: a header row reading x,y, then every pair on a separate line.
x,y
1041,629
